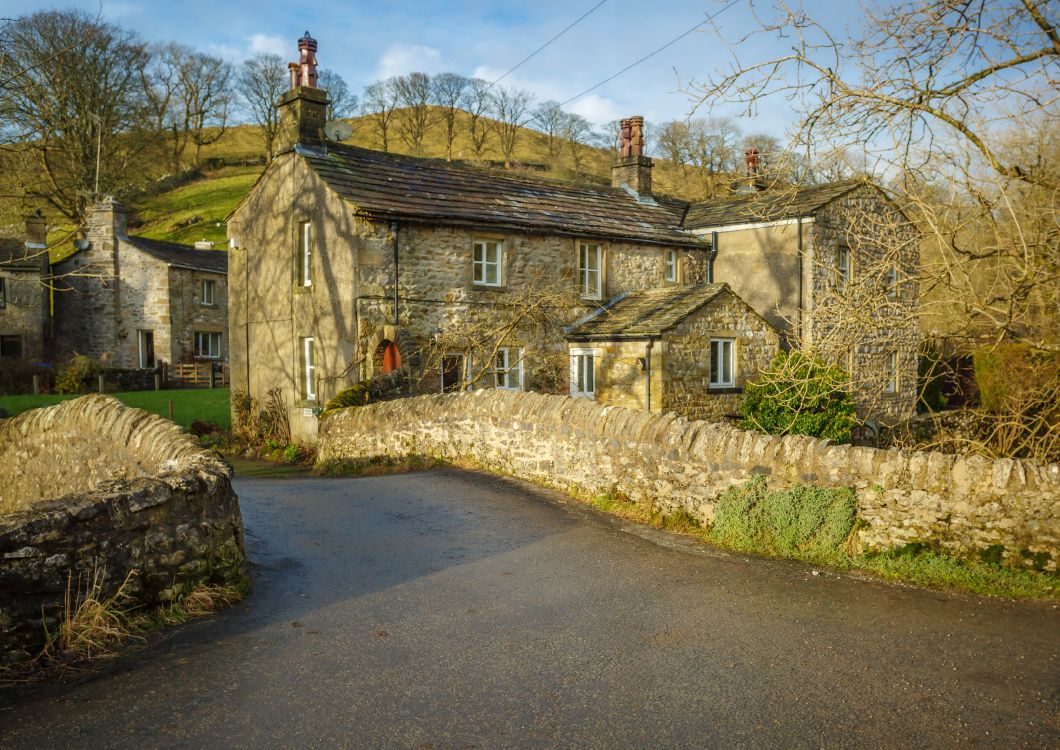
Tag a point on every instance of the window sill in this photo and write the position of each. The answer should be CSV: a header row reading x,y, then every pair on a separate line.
x,y
306,403
721,390
302,289
489,288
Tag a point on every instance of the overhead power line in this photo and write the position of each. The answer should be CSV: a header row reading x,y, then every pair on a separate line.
x,y
543,46
670,43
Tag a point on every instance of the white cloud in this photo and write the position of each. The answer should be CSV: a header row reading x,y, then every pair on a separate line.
x,y
267,43
595,109
399,59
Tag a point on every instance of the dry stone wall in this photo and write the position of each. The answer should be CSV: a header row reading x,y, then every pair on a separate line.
x,y
962,504
93,489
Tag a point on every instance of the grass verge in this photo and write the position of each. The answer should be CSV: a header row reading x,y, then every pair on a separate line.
x,y
94,625
813,525
189,404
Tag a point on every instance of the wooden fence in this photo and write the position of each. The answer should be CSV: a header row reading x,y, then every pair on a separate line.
x,y
197,375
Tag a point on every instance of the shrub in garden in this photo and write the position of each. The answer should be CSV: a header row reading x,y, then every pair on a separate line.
x,y
73,377
800,395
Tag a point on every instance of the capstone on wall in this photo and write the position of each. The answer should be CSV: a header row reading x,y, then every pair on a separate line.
x,y
137,501
962,504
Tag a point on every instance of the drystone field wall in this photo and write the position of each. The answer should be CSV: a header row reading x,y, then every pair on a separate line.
x,y
963,504
94,492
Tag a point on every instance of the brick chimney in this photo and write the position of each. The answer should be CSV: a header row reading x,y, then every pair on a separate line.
x,y
303,109
632,169
751,183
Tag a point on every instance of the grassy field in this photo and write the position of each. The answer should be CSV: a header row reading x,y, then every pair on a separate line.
x,y
196,211
188,405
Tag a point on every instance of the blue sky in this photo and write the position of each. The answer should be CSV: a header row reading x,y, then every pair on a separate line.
x,y
367,40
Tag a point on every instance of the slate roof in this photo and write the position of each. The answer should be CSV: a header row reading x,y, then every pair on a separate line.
x,y
386,185
747,208
182,256
644,313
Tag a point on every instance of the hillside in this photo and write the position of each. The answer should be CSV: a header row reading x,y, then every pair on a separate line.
x,y
196,209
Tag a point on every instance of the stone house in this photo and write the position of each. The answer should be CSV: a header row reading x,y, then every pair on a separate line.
x,y
24,310
349,262
684,349
131,302
832,267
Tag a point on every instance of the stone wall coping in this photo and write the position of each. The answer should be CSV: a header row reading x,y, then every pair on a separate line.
x,y
169,456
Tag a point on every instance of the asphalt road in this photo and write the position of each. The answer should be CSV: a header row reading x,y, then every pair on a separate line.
x,y
456,610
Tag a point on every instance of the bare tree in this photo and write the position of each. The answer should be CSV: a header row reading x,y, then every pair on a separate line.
x,y
549,118
512,111
206,87
947,97
76,117
341,101
414,96
578,134
378,104
447,93
478,102
262,80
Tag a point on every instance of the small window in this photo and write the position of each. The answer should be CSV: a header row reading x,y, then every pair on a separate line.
x,y
145,341
305,243
309,369
590,257
10,347
890,281
842,267
488,263
671,265
208,288
509,369
3,293
208,344
891,372
452,376
722,364
583,373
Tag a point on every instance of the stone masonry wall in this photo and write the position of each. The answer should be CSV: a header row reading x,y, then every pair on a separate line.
x,y
686,386
92,489
189,315
24,309
962,504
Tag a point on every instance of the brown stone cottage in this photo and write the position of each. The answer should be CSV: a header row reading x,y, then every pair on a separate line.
x,y
24,309
133,303
347,262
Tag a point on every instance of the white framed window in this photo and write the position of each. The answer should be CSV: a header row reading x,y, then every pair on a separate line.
x,y
671,265
209,288
722,363
890,369
890,281
454,372
583,373
590,270
842,266
208,344
145,345
305,253
488,263
309,369
508,369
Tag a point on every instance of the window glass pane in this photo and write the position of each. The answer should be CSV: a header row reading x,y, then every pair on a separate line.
x,y
714,359
726,359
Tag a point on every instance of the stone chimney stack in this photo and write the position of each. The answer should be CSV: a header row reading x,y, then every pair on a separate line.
x,y
632,170
106,222
303,109
751,183
36,231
